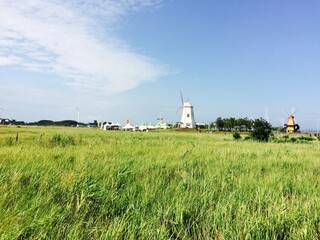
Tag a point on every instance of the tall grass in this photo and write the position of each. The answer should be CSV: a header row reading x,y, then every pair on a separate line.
x,y
70,183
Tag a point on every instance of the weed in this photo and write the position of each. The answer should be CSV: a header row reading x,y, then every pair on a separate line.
x,y
9,141
60,140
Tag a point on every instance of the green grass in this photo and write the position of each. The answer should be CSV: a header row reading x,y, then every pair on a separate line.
x,y
75,183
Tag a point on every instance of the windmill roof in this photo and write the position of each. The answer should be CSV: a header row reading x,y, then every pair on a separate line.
x,y
187,104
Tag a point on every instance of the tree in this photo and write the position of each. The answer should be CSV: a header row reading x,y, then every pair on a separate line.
x,y
234,124
245,124
211,125
229,123
261,130
44,123
219,123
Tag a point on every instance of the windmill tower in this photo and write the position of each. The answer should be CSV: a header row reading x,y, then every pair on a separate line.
x,y
291,126
160,118
187,118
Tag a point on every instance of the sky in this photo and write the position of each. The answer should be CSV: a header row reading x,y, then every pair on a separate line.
x,y
129,59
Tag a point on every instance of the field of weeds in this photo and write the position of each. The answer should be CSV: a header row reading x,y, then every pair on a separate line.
x,y
78,183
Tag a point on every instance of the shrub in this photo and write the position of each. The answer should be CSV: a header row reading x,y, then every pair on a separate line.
x,y
261,130
293,139
247,138
58,140
305,139
236,135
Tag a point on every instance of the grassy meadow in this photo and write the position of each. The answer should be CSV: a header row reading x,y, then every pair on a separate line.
x,y
79,183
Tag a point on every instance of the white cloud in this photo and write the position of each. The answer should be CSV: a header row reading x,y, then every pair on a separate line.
x,y
66,39
8,60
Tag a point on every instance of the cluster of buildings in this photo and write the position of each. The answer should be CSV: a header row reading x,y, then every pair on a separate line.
x,y
187,121
129,127
6,121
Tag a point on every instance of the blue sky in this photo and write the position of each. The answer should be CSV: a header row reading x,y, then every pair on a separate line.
x,y
129,59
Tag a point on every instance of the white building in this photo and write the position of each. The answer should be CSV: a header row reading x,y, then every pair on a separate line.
x,y
187,118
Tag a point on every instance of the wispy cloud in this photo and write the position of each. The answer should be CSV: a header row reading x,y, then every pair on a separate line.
x,y
74,41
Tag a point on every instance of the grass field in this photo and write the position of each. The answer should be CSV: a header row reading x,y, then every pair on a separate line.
x,y
73,183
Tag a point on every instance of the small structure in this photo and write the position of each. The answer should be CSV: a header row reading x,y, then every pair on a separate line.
x,y
111,126
5,121
128,126
145,127
162,126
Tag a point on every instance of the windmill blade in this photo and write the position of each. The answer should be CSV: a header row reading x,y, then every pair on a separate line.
x,y
181,97
179,109
293,112
1,110
286,113
188,100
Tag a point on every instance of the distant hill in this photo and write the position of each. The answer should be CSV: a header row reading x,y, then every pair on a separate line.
x,y
68,123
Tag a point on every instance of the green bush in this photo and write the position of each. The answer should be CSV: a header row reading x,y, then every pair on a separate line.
x,y
236,135
261,130
58,140
303,138
247,138
293,139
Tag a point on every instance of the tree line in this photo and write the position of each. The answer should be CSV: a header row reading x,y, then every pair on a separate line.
x,y
259,128
66,123
233,124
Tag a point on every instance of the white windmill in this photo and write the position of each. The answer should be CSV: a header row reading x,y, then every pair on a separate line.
x,y
187,118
